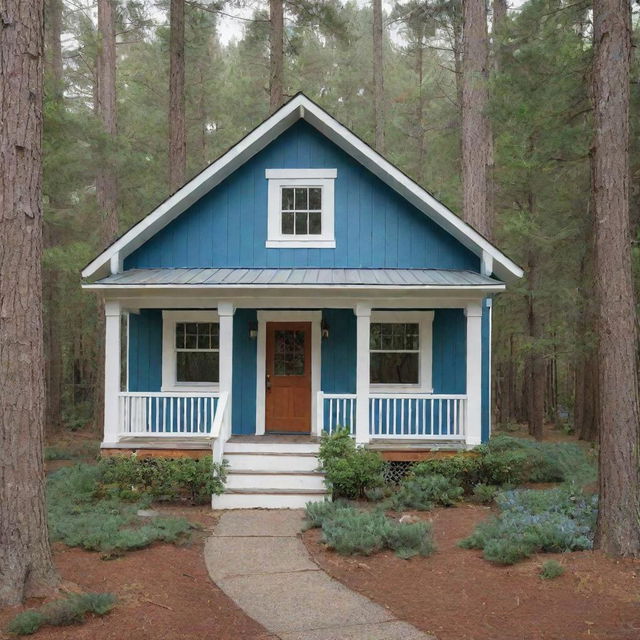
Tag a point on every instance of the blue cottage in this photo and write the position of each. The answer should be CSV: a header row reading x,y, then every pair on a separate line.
x,y
300,283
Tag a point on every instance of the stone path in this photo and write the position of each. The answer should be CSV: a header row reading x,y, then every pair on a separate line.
x,y
257,559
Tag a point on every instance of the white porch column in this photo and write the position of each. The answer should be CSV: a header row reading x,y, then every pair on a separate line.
x,y
363,316
225,316
474,373
111,371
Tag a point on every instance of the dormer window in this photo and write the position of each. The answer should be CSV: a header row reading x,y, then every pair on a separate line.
x,y
301,208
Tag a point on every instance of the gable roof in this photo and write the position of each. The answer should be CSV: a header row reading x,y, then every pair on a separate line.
x,y
301,107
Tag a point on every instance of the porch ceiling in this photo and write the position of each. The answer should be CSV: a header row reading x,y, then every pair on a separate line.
x,y
303,278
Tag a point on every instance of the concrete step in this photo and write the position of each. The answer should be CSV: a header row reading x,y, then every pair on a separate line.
x,y
270,461
259,498
265,446
298,480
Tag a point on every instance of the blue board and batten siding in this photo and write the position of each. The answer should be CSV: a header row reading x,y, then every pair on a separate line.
x,y
374,226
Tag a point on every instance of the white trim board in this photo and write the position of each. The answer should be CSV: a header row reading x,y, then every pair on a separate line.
x,y
315,317
300,107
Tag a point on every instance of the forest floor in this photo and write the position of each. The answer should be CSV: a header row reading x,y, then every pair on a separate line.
x,y
455,594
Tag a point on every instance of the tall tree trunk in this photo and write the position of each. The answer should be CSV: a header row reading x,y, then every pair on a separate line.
x,y
536,366
378,77
106,178
276,54
618,528
177,133
499,9
477,153
53,33
26,567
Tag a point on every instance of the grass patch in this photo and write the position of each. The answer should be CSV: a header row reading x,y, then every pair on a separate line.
x,y
355,532
426,491
67,611
551,569
82,515
531,521
484,493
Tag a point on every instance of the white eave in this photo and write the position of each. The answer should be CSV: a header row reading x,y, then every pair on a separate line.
x,y
300,107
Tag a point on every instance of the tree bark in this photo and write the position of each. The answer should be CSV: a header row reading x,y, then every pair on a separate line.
x,y
499,10
26,567
536,365
617,529
378,77
177,132
54,46
477,148
276,54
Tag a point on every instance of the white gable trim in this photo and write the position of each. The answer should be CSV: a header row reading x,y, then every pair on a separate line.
x,y
301,107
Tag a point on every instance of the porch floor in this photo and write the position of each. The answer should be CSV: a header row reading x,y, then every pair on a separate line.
x,y
275,438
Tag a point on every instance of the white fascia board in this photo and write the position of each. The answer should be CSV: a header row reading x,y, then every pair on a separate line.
x,y
301,107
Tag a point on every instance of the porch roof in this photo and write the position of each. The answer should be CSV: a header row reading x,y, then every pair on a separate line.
x,y
304,278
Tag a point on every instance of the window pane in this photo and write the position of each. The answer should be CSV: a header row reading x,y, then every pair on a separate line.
x,y
315,198
394,368
287,199
375,337
203,341
180,335
289,353
197,366
287,223
215,335
315,222
191,341
301,198
301,223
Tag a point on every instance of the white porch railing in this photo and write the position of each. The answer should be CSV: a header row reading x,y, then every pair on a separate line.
x,y
155,414
336,410
394,415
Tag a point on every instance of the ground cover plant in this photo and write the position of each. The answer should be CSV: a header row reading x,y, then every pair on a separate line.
x,y
350,471
64,612
424,492
551,569
530,521
352,531
509,461
84,513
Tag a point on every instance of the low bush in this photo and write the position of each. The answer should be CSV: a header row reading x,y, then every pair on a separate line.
x,y
531,521
353,532
551,569
317,512
484,493
507,461
425,492
349,470
130,477
70,610
82,515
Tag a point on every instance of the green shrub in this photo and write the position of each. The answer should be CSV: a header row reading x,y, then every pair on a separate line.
x,y
81,515
484,493
317,512
64,612
506,461
26,623
531,521
130,477
353,532
424,492
349,470
375,494
551,569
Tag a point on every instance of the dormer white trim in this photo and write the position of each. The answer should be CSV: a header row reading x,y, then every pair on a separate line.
x,y
301,107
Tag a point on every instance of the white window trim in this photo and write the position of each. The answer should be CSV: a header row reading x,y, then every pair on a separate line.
x,y
425,322
169,359
315,318
278,178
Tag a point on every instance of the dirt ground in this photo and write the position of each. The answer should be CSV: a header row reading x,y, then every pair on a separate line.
x,y
457,595
164,593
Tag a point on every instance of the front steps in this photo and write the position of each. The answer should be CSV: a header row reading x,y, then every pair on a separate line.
x,y
272,473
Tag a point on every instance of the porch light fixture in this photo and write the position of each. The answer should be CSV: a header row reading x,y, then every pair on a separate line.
x,y
253,330
324,330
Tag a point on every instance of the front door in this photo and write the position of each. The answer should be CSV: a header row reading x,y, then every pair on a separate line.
x,y
288,383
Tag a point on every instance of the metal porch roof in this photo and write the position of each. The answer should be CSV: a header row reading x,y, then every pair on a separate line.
x,y
299,277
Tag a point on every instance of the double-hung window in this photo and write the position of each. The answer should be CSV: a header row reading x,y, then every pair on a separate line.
x,y
301,208
191,351
400,351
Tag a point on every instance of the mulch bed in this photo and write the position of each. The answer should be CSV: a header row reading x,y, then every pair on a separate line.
x,y
457,595
164,593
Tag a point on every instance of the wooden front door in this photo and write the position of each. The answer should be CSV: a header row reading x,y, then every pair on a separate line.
x,y
288,383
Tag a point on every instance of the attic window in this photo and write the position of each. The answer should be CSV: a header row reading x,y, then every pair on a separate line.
x,y
301,208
